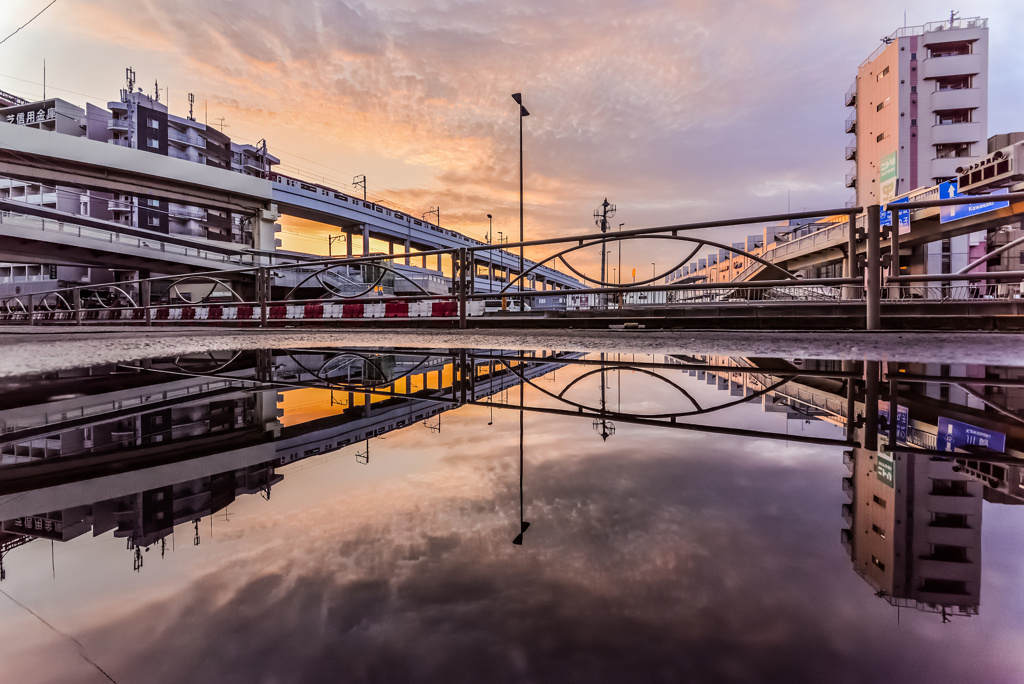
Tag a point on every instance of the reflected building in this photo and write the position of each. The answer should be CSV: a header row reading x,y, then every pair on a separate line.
x,y
139,450
915,530
913,520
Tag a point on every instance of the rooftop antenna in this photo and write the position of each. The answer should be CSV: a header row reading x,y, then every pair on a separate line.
x,y
129,77
44,79
222,125
191,103
952,17
156,88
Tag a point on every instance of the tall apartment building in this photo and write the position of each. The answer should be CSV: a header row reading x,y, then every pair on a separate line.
x,y
137,121
920,108
914,530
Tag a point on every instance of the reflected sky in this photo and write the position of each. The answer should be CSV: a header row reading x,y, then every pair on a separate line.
x,y
655,556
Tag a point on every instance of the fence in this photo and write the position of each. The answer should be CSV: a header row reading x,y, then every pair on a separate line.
x,y
366,288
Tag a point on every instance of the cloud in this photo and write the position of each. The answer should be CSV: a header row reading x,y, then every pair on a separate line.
x,y
677,110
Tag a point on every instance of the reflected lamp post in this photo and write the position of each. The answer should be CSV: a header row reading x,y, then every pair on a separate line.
x,y
490,254
523,113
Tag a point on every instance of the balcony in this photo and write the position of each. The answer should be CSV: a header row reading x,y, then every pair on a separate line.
x,y
118,124
185,139
970,132
851,152
851,124
194,213
852,202
963,98
848,485
119,205
851,178
851,96
121,142
946,167
953,65
848,513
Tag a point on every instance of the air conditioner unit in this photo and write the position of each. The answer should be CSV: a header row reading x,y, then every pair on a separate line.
x,y
1000,169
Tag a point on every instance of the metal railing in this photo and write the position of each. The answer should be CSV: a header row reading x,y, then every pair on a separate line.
x,y
365,287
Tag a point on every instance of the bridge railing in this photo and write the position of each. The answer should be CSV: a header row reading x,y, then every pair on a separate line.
x,y
326,289
84,234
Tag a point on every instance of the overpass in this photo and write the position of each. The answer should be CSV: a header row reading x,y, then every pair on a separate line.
x,y
54,159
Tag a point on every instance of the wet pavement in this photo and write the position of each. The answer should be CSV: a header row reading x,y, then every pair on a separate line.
x,y
307,507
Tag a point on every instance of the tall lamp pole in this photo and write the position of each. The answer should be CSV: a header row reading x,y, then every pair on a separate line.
x,y
523,113
490,256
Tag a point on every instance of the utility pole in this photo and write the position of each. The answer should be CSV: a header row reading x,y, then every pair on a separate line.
x,y
360,180
601,215
603,212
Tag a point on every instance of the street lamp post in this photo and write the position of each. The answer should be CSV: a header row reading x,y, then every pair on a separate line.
x,y
618,280
490,255
653,272
523,113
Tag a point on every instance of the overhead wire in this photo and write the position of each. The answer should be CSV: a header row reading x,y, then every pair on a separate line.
x,y
28,22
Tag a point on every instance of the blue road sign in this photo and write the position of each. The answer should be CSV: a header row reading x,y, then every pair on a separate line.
x,y
902,421
953,434
904,216
948,190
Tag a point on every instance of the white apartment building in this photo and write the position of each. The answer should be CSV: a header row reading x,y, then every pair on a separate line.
x,y
920,108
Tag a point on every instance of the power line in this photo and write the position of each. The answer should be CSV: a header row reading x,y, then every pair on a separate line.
x,y
29,21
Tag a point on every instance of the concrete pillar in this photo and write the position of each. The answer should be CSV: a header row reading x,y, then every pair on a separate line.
x,y
265,228
366,240
348,243
408,246
872,278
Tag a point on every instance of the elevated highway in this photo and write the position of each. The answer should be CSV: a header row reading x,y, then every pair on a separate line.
x,y
54,159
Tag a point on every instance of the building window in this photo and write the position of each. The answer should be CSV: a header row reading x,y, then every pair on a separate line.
x,y
944,586
880,106
154,220
880,502
952,83
880,137
958,520
950,150
877,563
154,123
913,55
882,74
953,116
154,202
152,142
949,487
948,553
949,49
878,530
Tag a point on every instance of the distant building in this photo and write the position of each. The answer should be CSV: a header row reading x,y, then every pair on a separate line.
x,y
920,108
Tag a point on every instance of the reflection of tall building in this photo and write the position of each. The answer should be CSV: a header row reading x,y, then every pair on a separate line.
x,y
915,530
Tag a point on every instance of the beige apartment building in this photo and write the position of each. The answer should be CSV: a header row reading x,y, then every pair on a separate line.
x,y
920,109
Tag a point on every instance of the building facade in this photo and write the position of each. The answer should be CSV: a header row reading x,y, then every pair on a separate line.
x,y
920,109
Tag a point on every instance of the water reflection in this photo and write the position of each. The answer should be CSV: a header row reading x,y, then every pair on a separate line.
x,y
138,450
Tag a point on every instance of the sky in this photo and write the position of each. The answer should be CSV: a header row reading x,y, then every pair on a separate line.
x,y
675,110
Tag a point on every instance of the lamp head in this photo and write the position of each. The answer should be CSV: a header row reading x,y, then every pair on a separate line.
x,y
518,97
